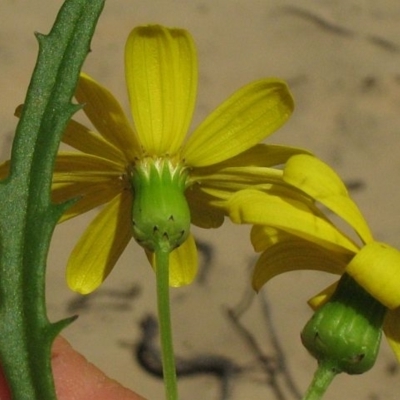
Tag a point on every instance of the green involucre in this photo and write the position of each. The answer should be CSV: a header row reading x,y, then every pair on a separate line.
x,y
346,331
160,212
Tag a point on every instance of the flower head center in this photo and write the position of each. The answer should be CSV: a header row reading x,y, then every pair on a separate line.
x,y
160,212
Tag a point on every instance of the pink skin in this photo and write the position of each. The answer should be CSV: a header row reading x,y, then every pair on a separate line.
x,y
77,379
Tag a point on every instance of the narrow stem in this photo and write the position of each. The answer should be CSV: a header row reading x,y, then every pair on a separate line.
x,y
322,379
164,318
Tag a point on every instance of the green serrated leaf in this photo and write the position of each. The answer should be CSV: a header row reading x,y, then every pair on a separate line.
x,y
27,216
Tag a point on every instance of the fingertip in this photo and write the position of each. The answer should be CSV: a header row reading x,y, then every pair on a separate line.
x,y
76,378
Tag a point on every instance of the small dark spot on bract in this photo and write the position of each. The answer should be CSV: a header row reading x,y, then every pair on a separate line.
x,y
357,358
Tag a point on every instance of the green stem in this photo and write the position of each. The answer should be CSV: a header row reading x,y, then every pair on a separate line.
x,y
322,379
164,318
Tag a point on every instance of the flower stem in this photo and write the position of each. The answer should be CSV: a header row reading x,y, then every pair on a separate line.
x,y
164,318
322,379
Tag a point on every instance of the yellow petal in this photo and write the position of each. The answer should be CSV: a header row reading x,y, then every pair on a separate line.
x,y
376,267
290,215
322,297
260,155
262,237
161,74
107,116
91,179
319,181
295,255
86,164
243,120
100,246
391,327
224,190
236,177
83,139
202,212
263,155
90,195
183,263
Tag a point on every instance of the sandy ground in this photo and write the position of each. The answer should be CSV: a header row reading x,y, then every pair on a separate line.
x,y
342,61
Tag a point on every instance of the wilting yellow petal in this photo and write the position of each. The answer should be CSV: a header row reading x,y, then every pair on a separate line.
x,y
295,255
183,263
243,120
376,267
99,248
391,327
107,116
161,74
290,215
319,181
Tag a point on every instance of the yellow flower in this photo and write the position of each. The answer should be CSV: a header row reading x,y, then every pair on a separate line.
x,y
119,164
294,234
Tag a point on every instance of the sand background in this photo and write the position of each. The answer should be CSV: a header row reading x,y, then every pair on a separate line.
x,y
342,61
